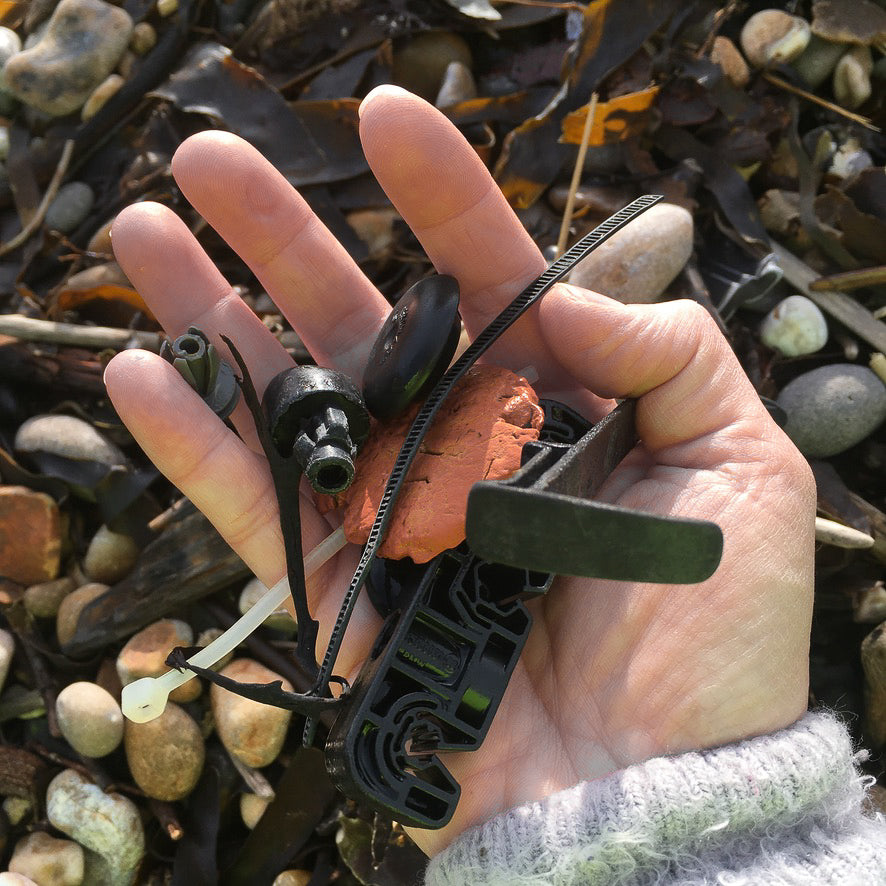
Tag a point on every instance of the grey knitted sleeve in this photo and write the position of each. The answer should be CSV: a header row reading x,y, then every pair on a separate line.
x,y
784,808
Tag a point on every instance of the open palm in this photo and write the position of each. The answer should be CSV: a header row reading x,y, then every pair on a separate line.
x,y
613,673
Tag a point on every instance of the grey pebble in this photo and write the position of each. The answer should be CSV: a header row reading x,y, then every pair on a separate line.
x,y
82,43
70,207
832,408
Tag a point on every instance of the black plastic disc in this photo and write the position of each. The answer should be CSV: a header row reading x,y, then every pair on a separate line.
x,y
414,347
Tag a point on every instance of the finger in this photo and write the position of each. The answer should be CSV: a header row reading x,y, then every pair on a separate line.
x,y
448,198
175,277
231,485
671,356
320,289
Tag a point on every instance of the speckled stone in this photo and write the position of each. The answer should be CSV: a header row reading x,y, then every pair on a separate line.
x,y
70,207
48,860
832,408
108,824
254,733
638,263
89,718
165,755
81,45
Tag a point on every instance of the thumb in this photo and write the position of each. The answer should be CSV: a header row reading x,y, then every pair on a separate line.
x,y
671,356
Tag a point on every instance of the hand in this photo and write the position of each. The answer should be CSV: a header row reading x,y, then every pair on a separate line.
x,y
613,673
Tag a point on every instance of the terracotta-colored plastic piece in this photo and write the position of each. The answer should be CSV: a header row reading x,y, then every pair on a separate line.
x,y
477,435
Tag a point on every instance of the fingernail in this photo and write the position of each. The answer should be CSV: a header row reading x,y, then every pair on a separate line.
x,y
385,89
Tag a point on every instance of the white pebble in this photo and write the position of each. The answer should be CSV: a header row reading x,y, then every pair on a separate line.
x,y
795,327
252,808
89,718
108,824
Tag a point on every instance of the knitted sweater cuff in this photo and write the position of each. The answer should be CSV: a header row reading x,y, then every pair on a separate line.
x,y
783,808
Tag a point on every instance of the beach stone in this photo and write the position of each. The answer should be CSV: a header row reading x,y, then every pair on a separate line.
x,y
293,877
10,44
253,732
70,207
252,592
44,599
832,408
71,607
89,718
107,824
7,650
165,755
30,541
102,93
67,437
144,655
794,327
110,556
9,878
638,263
48,860
16,809
478,434
82,43
252,808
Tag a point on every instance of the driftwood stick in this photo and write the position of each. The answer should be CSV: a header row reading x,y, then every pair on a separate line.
x,y
34,329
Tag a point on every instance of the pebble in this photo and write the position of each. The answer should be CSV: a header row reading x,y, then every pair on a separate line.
x,y
144,655
70,207
109,87
832,408
89,718
10,44
66,436
818,60
293,878
143,39
205,637
48,860
7,878
725,54
852,78
71,607
81,45
794,327
252,808
7,650
639,262
44,599
108,824
420,64
30,535
458,85
252,592
110,556
773,35
16,809
252,732
165,755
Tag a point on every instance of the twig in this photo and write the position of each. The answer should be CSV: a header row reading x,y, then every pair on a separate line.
x,y
576,176
810,96
34,329
48,197
850,279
